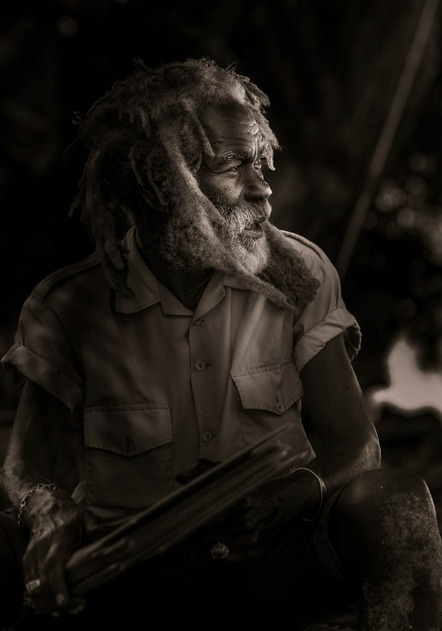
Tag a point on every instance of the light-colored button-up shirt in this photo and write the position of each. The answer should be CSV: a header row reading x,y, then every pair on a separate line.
x,y
157,386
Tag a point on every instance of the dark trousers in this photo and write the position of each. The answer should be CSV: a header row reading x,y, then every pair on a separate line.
x,y
298,573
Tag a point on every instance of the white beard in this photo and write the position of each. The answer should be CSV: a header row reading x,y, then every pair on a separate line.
x,y
193,240
253,254
221,246
253,257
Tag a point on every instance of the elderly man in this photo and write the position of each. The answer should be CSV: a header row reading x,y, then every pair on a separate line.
x,y
195,329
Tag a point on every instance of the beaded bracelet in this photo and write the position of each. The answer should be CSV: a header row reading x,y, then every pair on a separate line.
x,y
25,499
323,490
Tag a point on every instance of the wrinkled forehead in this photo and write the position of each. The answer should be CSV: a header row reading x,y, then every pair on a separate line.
x,y
229,124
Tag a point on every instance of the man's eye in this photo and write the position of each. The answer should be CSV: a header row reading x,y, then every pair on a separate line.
x,y
232,169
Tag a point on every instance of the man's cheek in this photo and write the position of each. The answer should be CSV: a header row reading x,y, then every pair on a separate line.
x,y
212,191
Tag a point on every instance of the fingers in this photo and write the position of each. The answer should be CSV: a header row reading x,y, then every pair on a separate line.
x,y
44,568
43,599
56,523
245,522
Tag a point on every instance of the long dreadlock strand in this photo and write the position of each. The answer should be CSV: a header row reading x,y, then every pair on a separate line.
x,y
189,109
148,166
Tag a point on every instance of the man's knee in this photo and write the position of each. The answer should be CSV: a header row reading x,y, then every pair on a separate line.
x,y
383,493
385,515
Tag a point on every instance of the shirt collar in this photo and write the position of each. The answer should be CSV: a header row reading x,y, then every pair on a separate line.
x,y
149,291
140,279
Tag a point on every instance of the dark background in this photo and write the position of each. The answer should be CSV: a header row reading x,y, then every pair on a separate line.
x,y
352,136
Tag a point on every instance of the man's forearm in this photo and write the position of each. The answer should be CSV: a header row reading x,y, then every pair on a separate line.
x,y
341,464
346,441
34,444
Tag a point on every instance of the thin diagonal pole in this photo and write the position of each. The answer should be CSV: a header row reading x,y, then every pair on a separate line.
x,y
386,137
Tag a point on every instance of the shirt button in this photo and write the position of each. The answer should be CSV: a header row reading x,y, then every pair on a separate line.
x,y
207,437
279,406
198,321
200,365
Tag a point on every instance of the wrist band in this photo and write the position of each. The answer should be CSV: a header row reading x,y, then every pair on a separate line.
x,y
25,499
323,491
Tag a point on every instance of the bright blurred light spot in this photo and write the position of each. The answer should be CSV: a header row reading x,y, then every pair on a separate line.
x,y
411,389
67,26
390,197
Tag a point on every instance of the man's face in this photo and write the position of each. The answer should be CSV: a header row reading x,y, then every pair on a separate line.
x,y
233,180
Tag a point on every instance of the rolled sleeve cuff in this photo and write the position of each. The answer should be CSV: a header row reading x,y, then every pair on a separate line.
x,y
337,322
38,370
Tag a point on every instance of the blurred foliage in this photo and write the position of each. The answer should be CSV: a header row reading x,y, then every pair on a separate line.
x,y
399,254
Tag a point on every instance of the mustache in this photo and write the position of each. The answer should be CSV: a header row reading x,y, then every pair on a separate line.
x,y
247,214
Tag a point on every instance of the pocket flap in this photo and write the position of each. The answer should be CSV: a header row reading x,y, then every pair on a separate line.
x,y
274,389
127,430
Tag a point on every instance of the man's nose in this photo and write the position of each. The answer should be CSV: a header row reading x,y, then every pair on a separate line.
x,y
256,188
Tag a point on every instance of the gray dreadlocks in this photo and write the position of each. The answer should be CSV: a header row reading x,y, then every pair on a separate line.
x,y
144,142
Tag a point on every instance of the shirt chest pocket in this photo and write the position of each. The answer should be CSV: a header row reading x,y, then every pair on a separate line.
x,y
128,460
271,388
269,397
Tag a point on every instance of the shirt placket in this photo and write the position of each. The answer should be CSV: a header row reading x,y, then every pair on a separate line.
x,y
204,340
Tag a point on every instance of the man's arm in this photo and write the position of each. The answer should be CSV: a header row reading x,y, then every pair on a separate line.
x,y
348,443
52,518
37,433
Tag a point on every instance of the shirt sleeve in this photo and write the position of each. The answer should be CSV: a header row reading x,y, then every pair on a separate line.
x,y
42,353
325,317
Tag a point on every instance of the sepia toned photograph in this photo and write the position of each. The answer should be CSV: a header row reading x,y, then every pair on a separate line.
x,y
221,324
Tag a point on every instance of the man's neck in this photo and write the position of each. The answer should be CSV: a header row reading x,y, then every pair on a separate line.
x,y
187,286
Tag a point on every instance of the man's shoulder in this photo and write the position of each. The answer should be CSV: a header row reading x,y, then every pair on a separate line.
x,y
84,277
311,252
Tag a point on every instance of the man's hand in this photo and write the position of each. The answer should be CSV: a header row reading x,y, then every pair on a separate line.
x,y
278,501
55,524
53,520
